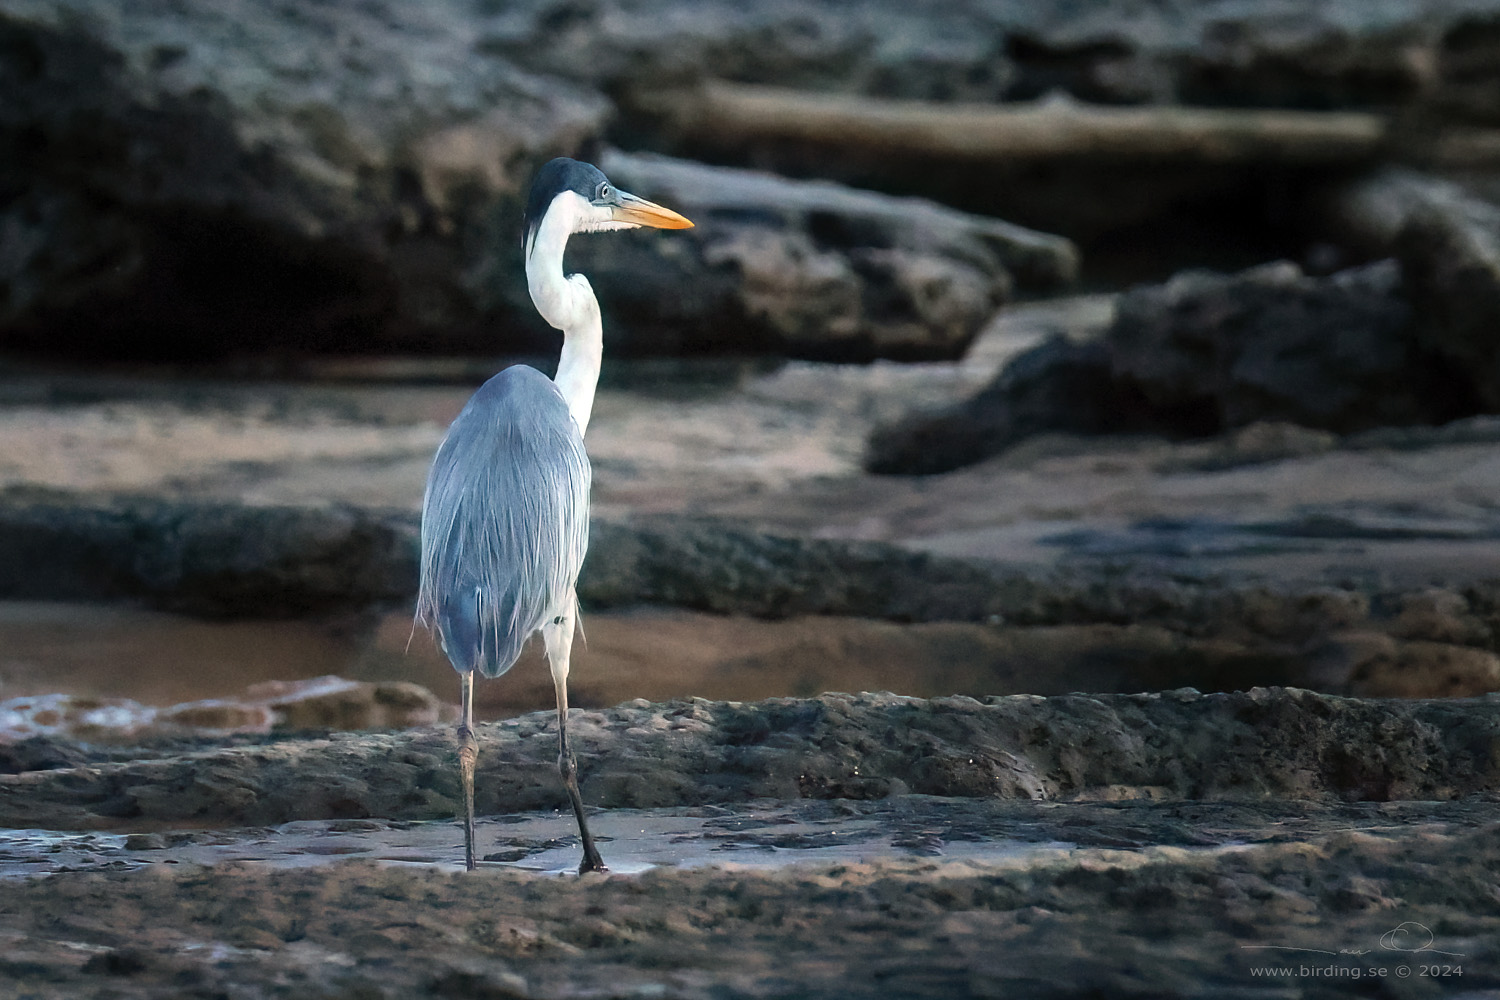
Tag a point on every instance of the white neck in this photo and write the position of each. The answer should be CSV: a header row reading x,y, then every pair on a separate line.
x,y
582,352
568,304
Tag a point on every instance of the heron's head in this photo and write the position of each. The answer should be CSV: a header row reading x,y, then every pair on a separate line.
x,y
578,195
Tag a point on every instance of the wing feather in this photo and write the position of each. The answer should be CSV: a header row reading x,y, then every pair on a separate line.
x,y
504,521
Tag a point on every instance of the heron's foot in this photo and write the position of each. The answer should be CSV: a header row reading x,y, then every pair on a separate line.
x,y
591,862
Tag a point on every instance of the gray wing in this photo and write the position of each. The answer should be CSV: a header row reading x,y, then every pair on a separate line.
x,y
504,521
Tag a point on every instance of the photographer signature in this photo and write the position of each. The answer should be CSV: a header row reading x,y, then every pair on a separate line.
x,y
1408,936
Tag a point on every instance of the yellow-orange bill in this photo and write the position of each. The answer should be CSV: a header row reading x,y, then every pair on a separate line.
x,y
641,212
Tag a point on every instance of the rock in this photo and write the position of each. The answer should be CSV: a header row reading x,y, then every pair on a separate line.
x,y
1123,900
805,268
1370,211
145,842
1211,352
1480,429
1058,385
336,703
37,753
1244,746
1194,623
1053,128
1434,668
1115,614
218,715
1216,53
221,559
1452,253
347,178
186,184
1424,64
1253,444
368,165
1206,353
207,559
1448,241
32,729
78,716
1441,615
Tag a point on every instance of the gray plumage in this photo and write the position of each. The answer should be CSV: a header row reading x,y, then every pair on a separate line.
x,y
504,521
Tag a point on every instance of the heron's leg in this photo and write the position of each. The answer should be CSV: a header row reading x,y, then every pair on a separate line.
x,y
558,635
468,757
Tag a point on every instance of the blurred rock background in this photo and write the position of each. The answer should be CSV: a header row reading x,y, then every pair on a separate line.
x,y
1019,347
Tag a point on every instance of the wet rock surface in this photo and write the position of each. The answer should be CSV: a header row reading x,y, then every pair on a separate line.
x,y
1377,896
1196,831
1202,893
1358,565
1246,746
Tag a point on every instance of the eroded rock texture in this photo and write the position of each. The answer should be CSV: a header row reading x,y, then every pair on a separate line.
x,y
1262,743
1102,921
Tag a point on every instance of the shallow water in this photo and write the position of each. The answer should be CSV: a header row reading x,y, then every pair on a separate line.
x,y
631,840
159,660
764,835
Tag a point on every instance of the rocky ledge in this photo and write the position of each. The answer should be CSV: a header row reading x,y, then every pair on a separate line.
x,y
1119,609
1266,743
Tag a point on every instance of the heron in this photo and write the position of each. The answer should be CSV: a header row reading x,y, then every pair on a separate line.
x,y
505,516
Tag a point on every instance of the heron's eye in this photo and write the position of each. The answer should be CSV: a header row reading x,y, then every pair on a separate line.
x,y
604,192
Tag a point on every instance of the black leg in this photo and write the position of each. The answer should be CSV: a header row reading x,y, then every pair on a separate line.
x,y
567,766
468,757
558,635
